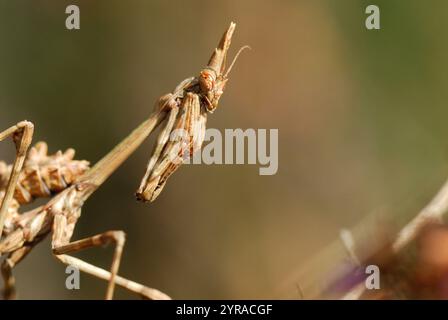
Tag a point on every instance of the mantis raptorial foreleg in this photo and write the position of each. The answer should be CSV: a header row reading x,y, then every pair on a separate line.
x,y
22,134
186,136
145,189
196,97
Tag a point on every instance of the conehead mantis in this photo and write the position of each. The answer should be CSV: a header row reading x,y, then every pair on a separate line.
x,y
187,109
73,184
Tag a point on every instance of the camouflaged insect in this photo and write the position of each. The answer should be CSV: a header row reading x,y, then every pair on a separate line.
x,y
187,109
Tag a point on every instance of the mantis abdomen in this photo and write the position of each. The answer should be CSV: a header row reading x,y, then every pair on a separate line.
x,y
43,175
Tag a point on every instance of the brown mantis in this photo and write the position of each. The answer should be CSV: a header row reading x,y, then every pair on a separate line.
x,y
20,232
187,109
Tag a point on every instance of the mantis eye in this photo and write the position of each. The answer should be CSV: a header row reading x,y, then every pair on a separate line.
x,y
207,80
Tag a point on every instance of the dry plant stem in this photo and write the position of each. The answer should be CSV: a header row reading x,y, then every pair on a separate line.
x,y
349,245
355,293
22,134
432,212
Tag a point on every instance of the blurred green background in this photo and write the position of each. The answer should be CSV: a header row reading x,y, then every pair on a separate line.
x,y
361,117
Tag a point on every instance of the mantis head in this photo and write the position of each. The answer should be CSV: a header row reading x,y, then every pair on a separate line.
x,y
213,78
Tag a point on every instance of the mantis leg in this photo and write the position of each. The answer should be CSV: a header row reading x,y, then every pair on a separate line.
x,y
9,291
145,292
144,192
61,245
62,230
188,135
22,134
